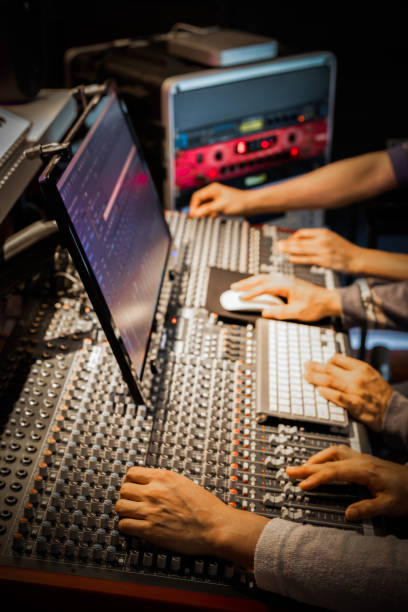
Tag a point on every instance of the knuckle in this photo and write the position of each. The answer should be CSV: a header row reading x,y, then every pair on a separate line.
x,y
124,489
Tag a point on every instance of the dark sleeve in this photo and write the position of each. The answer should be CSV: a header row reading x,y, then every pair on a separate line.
x,y
399,160
395,429
376,302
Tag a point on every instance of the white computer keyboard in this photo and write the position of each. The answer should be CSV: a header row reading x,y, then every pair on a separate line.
x,y
282,391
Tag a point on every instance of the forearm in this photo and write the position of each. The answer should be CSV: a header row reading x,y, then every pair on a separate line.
x,y
337,184
387,306
371,262
331,568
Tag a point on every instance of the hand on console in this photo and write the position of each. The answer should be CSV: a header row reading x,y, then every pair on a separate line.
x,y
387,481
170,510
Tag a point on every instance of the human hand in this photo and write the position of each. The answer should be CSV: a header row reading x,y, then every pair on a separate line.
x,y
171,511
215,199
354,385
321,247
387,481
305,301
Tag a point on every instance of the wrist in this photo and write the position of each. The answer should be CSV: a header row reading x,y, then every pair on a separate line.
x,y
332,303
359,261
228,541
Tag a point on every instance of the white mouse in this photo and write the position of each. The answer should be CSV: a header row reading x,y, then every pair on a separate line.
x,y
231,300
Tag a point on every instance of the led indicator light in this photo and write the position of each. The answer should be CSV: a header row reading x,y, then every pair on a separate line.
x,y
241,147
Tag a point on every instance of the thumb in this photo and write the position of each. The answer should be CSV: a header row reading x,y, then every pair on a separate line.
x,y
367,508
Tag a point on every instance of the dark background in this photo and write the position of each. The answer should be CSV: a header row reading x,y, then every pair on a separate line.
x,y
371,48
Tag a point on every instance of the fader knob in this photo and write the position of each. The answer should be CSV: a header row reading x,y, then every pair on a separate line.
x,y
100,535
147,559
83,552
77,517
175,563
212,569
33,496
41,545
74,532
60,485
104,521
198,567
29,510
46,528
114,537
69,548
51,513
18,542
97,552
23,526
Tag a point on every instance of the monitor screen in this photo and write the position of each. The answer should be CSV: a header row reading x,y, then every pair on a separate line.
x,y
116,214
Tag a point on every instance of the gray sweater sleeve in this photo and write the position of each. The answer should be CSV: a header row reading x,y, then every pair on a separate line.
x,y
331,568
387,302
395,429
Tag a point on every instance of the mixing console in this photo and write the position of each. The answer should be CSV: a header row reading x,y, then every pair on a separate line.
x,y
70,431
234,245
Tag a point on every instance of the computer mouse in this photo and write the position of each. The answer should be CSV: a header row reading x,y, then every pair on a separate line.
x,y
231,300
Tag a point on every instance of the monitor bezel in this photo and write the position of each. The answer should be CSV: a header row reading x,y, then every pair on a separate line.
x,y
48,182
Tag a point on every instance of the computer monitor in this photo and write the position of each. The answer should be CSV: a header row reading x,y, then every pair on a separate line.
x,y
109,212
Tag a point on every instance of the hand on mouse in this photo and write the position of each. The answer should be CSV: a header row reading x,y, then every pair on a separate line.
x,y
305,301
387,481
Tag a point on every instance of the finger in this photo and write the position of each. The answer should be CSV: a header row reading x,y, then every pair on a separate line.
x,y
300,247
141,475
130,509
302,235
304,260
343,471
131,491
308,232
328,377
351,401
263,289
333,453
315,366
133,527
344,362
203,195
249,282
367,508
209,209
321,379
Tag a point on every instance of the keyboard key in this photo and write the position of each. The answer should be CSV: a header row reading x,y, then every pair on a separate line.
x,y
322,412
